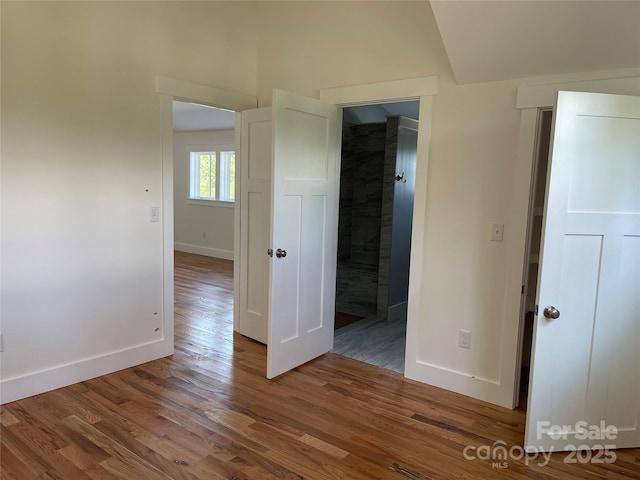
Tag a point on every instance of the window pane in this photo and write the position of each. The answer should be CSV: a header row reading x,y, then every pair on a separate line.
x,y
205,176
227,176
232,176
212,175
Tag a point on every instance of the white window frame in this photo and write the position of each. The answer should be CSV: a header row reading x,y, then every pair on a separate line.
x,y
221,177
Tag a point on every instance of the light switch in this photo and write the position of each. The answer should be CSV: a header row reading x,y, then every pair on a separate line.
x,y
154,214
497,231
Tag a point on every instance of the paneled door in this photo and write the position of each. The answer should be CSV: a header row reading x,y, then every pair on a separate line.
x,y
304,226
289,194
256,135
585,379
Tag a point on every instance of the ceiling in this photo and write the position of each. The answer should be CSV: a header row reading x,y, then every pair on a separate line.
x,y
499,40
189,117
378,113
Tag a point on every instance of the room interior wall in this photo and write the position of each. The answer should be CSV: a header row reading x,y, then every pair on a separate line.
x,y
199,228
81,149
473,147
366,43
81,168
466,279
397,216
470,183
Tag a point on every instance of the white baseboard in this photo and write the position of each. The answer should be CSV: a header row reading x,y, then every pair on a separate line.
x,y
208,251
42,381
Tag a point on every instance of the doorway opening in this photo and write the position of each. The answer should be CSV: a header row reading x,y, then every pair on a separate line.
x,y
532,250
203,179
170,89
377,184
203,220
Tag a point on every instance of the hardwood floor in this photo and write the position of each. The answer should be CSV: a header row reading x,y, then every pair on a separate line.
x,y
208,412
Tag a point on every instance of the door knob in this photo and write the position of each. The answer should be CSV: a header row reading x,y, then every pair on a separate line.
x,y
551,312
281,253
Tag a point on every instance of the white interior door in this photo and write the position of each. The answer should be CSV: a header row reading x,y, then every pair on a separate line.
x,y
586,362
304,224
254,201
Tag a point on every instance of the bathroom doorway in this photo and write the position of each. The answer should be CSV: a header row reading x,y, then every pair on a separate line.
x,y
379,145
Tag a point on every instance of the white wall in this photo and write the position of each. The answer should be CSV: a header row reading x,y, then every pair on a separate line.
x,y
81,264
307,46
467,281
81,166
200,228
471,164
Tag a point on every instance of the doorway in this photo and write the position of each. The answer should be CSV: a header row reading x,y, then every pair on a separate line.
x,y
423,88
377,184
203,220
532,249
203,171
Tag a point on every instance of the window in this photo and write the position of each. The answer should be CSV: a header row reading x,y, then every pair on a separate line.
x,y
213,175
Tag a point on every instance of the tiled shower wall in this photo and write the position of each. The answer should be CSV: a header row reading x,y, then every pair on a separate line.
x,y
363,157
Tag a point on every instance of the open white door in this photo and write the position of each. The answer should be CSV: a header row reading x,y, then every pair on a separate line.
x,y
586,362
254,201
304,225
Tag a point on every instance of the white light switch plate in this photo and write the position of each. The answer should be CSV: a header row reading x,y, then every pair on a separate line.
x,y
154,214
497,232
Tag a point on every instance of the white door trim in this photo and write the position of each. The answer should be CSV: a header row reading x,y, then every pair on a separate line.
x,y
193,92
382,92
529,100
423,89
170,89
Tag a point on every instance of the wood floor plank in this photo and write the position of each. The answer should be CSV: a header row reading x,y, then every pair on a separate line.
x,y
16,462
209,413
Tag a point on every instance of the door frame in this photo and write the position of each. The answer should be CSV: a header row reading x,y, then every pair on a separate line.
x,y
424,90
530,100
526,288
168,90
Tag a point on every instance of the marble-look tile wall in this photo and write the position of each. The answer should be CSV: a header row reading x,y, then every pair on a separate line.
x,y
363,152
386,215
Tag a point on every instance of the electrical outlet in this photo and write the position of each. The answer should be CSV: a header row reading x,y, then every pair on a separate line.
x,y
464,339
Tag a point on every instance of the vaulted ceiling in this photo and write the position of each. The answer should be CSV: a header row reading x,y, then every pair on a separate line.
x,y
498,40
